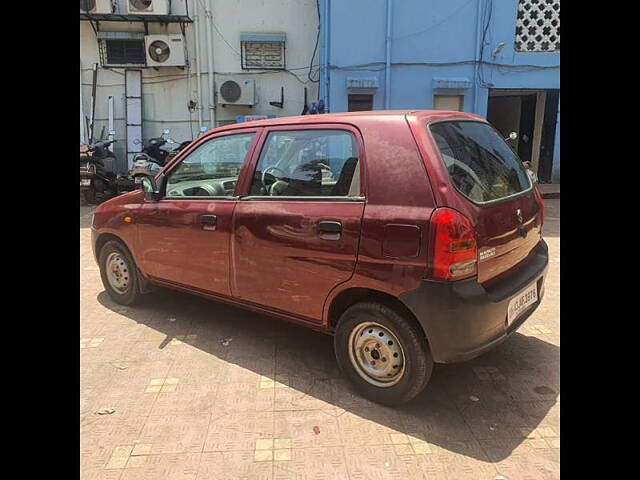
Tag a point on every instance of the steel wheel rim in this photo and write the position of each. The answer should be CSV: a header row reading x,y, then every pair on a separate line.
x,y
118,272
376,354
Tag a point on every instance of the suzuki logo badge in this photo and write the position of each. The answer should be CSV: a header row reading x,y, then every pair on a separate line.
x,y
519,215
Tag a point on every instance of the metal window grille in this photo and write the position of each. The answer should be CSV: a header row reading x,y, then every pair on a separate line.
x,y
538,26
122,52
264,54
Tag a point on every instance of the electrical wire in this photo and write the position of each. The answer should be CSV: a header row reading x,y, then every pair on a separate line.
x,y
488,7
354,67
208,13
362,66
315,48
454,13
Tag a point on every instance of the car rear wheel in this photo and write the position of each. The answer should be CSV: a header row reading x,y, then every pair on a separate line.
x,y
118,272
382,353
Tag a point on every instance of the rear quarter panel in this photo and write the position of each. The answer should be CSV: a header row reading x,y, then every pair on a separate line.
x,y
495,223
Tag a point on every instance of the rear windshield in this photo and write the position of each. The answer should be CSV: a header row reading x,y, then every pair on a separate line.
x,y
480,163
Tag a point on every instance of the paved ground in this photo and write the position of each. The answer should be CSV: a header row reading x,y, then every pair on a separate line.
x,y
205,391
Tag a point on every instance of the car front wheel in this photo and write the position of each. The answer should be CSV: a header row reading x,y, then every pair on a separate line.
x,y
118,272
383,353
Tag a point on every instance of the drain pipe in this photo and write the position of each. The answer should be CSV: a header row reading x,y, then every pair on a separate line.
x,y
110,120
477,58
196,22
325,28
387,68
209,17
83,125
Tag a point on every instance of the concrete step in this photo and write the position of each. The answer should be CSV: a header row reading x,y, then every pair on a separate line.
x,y
549,190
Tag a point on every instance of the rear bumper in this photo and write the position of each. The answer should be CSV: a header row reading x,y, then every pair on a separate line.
x,y
463,319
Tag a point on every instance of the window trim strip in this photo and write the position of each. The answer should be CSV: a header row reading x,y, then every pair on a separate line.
x,y
303,198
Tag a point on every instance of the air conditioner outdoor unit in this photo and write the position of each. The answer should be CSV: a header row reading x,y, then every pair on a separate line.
x,y
165,50
96,6
236,91
148,7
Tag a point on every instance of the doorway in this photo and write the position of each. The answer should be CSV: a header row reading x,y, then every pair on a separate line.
x,y
532,115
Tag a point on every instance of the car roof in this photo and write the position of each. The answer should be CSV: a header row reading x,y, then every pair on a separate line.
x,y
354,118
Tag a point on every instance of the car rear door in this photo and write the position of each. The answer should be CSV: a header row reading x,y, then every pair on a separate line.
x,y
296,230
183,238
498,194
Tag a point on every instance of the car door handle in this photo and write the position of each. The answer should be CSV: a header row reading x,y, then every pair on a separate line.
x,y
328,226
329,230
209,221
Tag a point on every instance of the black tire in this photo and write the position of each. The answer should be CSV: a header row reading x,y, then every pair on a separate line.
x,y
132,292
418,363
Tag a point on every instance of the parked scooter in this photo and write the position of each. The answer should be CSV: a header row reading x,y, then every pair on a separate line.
x,y
153,156
99,179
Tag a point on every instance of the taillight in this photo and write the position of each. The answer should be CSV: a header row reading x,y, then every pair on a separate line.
x,y
454,251
538,196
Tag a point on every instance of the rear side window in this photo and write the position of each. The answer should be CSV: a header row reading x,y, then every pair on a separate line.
x,y
479,162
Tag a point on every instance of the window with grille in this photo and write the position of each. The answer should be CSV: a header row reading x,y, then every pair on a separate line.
x,y
122,52
263,51
538,26
360,102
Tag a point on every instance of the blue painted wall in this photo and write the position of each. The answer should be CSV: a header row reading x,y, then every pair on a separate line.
x,y
429,39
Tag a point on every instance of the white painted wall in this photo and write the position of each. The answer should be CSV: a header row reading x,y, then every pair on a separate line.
x,y
167,91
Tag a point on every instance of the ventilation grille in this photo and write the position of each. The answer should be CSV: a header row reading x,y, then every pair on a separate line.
x,y
159,51
538,26
140,5
230,91
87,5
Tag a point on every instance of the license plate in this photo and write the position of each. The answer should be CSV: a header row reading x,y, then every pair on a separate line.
x,y
85,182
521,302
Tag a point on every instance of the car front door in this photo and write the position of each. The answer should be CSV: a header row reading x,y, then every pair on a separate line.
x,y
296,229
184,237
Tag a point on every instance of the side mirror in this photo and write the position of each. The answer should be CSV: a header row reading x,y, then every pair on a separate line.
x,y
513,136
150,189
165,131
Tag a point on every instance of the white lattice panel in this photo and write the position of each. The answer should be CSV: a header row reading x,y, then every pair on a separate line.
x,y
538,26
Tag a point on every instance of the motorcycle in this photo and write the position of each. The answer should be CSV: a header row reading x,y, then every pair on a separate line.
x,y
153,156
98,172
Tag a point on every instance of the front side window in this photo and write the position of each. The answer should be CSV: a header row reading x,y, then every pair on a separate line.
x,y
316,163
212,169
479,162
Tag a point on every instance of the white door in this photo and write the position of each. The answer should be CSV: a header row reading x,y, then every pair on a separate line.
x,y
133,93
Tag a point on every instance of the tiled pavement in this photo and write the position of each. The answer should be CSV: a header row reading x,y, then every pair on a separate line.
x,y
200,390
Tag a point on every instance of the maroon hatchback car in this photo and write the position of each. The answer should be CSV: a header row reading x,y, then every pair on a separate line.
x,y
413,237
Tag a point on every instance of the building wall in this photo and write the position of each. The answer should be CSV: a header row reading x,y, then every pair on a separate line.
x,y
429,40
167,91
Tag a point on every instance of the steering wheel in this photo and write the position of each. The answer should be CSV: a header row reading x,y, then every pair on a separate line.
x,y
266,172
